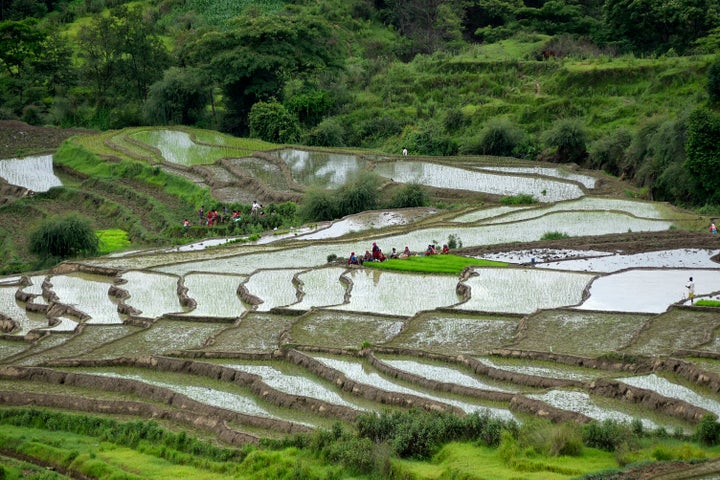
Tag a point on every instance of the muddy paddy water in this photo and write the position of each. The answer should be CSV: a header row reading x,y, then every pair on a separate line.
x,y
34,173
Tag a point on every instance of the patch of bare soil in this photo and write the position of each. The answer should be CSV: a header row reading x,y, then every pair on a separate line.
x,y
628,243
20,139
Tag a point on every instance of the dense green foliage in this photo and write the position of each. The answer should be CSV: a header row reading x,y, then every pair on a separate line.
x,y
585,82
64,237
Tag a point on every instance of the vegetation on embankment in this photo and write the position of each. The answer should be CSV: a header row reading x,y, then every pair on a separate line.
x,y
444,264
388,445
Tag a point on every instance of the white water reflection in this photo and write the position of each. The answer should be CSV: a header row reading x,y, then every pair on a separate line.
x,y
441,176
356,371
328,170
587,180
394,293
581,402
442,374
215,295
205,395
666,388
89,294
33,173
178,147
515,290
294,384
651,291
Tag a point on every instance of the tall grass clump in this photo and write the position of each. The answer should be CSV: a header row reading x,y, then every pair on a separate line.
x,y
520,199
64,237
358,195
554,236
498,137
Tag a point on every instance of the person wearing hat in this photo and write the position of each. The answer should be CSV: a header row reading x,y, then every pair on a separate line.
x,y
691,290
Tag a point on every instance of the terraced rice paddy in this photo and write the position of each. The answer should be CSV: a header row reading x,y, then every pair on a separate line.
x,y
90,291
356,371
262,307
583,403
442,176
327,170
523,290
216,295
33,173
399,294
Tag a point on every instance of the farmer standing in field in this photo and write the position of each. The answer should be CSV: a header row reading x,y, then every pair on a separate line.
x,y
691,290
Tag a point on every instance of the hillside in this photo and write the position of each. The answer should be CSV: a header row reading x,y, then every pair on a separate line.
x,y
548,81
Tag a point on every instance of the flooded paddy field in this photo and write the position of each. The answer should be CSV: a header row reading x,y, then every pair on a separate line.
x,y
14,310
543,368
326,170
294,380
456,333
254,333
216,393
444,372
579,333
162,337
215,295
34,173
393,293
90,291
344,329
442,176
675,330
515,290
249,306
361,372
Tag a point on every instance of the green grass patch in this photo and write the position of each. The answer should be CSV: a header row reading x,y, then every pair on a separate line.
x,y
446,264
112,240
521,199
465,460
708,303
554,236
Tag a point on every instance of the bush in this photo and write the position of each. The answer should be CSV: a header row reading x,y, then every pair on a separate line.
x,y
608,152
569,138
272,122
499,138
554,236
708,430
411,195
608,435
521,199
64,237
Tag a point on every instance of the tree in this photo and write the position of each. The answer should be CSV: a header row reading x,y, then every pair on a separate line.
x,y
253,60
122,56
64,237
703,153
19,41
179,98
429,24
271,122
658,25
